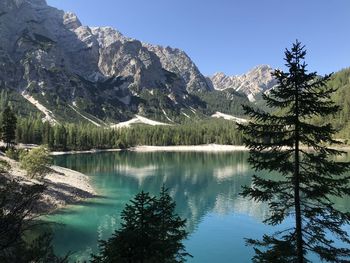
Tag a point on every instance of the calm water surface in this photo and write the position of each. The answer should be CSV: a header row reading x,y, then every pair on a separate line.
x,y
205,187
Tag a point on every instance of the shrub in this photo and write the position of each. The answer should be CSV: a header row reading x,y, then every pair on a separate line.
x,y
36,162
13,154
4,166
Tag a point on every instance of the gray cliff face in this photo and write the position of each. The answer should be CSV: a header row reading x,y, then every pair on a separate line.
x,y
92,52
177,61
75,70
257,80
49,54
120,56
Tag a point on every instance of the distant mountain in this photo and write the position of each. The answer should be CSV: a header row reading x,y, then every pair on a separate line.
x,y
50,64
257,80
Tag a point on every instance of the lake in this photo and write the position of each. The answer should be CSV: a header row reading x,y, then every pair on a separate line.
x,y
206,189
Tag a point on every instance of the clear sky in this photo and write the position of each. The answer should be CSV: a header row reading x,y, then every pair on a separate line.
x,y
231,36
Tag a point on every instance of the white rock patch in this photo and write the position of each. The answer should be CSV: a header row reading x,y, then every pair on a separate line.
x,y
186,115
137,120
86,118
228,117
166,116
49,116
251,98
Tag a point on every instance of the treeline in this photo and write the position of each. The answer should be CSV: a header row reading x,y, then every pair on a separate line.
x,y
86,136
340,81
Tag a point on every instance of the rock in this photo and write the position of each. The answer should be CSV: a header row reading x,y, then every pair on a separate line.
x,y
177,61
257,80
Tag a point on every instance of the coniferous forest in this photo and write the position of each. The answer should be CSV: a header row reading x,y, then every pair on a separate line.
x,y
87,136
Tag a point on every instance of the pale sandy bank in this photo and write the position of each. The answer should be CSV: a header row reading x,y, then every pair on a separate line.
x,y
64,186
89,151
190,148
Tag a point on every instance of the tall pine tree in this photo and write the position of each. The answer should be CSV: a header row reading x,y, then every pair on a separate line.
x,y
288,142
8,127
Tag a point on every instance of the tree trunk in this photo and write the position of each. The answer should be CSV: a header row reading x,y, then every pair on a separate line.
x,y
298,223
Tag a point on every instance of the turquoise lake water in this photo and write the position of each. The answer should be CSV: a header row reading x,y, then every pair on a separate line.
x,y
205,186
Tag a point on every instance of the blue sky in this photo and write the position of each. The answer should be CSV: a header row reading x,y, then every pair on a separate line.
x,y
231,36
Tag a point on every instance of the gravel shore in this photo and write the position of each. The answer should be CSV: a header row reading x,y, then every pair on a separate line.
x,y
63,186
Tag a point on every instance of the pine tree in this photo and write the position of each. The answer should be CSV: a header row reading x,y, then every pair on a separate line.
x,y
171,230
8,127
3,99
132,242
287,141
150,232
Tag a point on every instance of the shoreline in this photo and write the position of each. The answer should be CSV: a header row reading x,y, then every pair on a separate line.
x,y
63,186
169,148
177,148
57,153
190,148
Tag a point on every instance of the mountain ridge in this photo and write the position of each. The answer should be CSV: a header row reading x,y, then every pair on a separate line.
x,y
255,81
74,70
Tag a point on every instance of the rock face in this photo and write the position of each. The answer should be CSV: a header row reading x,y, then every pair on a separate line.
x,y
49,55
95,73
177,61
257,80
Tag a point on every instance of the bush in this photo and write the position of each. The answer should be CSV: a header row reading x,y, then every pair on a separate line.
x,y
13,154
36,162
4,166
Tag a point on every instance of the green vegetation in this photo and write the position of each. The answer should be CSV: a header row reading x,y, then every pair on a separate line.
x,y
36,162
310,178
4,166
17,103
18,220
150,232
341,119
228,101
8,126
87,136
13,153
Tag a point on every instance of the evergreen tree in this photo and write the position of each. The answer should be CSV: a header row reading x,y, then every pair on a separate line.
x,y
3,99
150,232
288,142
8,127
171,230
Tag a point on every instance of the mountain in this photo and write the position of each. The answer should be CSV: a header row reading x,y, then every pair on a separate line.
x,y
252,83
177,61
52,65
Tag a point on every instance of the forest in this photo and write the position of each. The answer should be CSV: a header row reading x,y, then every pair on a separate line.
x,y
85,136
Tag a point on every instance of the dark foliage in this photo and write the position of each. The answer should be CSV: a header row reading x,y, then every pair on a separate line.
x,y
85,137
17,221
150,232
291,144
8,126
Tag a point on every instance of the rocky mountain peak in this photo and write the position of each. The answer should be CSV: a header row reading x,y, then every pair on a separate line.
x,y
71,21
48,55
177,61
258,79
107,36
